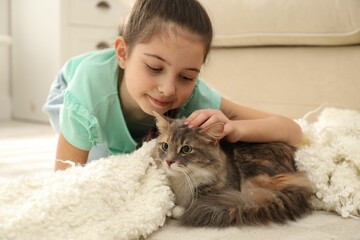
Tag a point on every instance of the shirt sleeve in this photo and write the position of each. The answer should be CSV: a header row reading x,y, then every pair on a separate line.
x,y
202,97
78,126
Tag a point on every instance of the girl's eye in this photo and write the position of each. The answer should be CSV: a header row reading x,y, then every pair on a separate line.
x,y
164,146
153,69
186,78
186,149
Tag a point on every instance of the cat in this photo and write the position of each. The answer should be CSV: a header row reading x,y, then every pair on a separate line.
x,y
221,184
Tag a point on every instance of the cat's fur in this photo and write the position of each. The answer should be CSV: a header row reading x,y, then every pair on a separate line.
x,y
221,184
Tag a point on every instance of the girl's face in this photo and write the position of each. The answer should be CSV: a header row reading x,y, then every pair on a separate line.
x,y
159,75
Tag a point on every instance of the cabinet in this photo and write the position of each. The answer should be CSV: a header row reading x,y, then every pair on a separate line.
x,y
47,33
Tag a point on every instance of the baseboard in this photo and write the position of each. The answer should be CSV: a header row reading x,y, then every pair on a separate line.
x,y
5,108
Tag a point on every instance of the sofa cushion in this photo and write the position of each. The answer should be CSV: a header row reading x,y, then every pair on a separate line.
x,y
284,22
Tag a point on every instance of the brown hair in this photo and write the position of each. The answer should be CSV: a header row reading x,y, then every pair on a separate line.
x,y
149,17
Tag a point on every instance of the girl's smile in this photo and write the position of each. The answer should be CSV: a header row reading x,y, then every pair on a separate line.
x,y
159,103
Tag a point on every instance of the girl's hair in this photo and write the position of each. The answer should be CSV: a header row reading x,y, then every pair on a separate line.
x,y
149,17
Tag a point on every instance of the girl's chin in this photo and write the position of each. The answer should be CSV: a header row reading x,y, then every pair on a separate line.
x,y
150,110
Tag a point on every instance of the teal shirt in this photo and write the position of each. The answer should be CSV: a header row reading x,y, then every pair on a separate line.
x,y
92,113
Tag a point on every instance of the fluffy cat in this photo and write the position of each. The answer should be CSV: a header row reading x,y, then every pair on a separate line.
x,y
222,184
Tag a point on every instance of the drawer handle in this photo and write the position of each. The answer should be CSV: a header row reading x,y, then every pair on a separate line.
x,y
103,5
102,45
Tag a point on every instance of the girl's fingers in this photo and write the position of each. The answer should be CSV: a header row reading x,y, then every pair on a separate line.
x,y
197,120
192,116
204,118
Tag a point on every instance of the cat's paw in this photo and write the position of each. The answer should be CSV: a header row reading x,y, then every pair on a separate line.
x,y
177,212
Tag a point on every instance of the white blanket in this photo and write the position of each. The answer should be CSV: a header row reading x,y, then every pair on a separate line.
x,y
126,197
121,197
330,154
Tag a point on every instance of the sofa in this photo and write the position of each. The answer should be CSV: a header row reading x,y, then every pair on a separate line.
x,y
286,56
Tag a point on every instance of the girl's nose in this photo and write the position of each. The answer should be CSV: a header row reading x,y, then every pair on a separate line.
x,y
167,87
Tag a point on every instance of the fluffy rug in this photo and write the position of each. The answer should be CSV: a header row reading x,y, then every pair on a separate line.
x,y
330,154
120,197
126,197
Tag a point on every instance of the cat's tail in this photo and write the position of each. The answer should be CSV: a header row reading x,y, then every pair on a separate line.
x,y
262,199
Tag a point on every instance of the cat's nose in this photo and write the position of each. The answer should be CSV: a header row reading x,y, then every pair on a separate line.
x,y
169,162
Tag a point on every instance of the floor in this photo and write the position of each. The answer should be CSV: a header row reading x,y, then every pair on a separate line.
x,y
25,149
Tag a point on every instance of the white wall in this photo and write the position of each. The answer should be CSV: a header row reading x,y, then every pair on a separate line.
x,y
5,103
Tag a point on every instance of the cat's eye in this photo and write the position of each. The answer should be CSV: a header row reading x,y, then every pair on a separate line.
x,y
164,146
186,149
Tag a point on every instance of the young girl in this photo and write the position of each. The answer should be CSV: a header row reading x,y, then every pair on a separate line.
x,y
102,102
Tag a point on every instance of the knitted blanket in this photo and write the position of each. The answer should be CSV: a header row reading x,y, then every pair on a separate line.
x,y
127,197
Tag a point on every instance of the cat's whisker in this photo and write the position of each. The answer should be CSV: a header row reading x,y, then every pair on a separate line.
x,y
193,189
188,180
195,192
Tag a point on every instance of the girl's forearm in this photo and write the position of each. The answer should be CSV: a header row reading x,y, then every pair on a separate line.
x,y
67,153
272,129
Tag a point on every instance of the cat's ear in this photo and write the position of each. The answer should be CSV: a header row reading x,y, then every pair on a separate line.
x,y
214,131
161,121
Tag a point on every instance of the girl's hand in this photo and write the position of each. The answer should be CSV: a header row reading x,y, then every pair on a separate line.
x,y
206,117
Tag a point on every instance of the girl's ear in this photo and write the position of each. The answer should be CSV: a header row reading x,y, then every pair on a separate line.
x,y
121,51
162,122
213,132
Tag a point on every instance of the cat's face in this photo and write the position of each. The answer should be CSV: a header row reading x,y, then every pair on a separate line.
x,y
184,151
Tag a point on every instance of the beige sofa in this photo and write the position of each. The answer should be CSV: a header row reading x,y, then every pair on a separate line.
x,y
287,57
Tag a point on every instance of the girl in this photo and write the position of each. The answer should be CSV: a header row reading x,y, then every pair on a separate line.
x,y
103,102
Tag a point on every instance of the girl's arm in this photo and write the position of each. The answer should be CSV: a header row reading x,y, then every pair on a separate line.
x,y
66,151
247,124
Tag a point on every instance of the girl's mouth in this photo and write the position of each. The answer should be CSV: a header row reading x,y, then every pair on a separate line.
x,y
158,103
